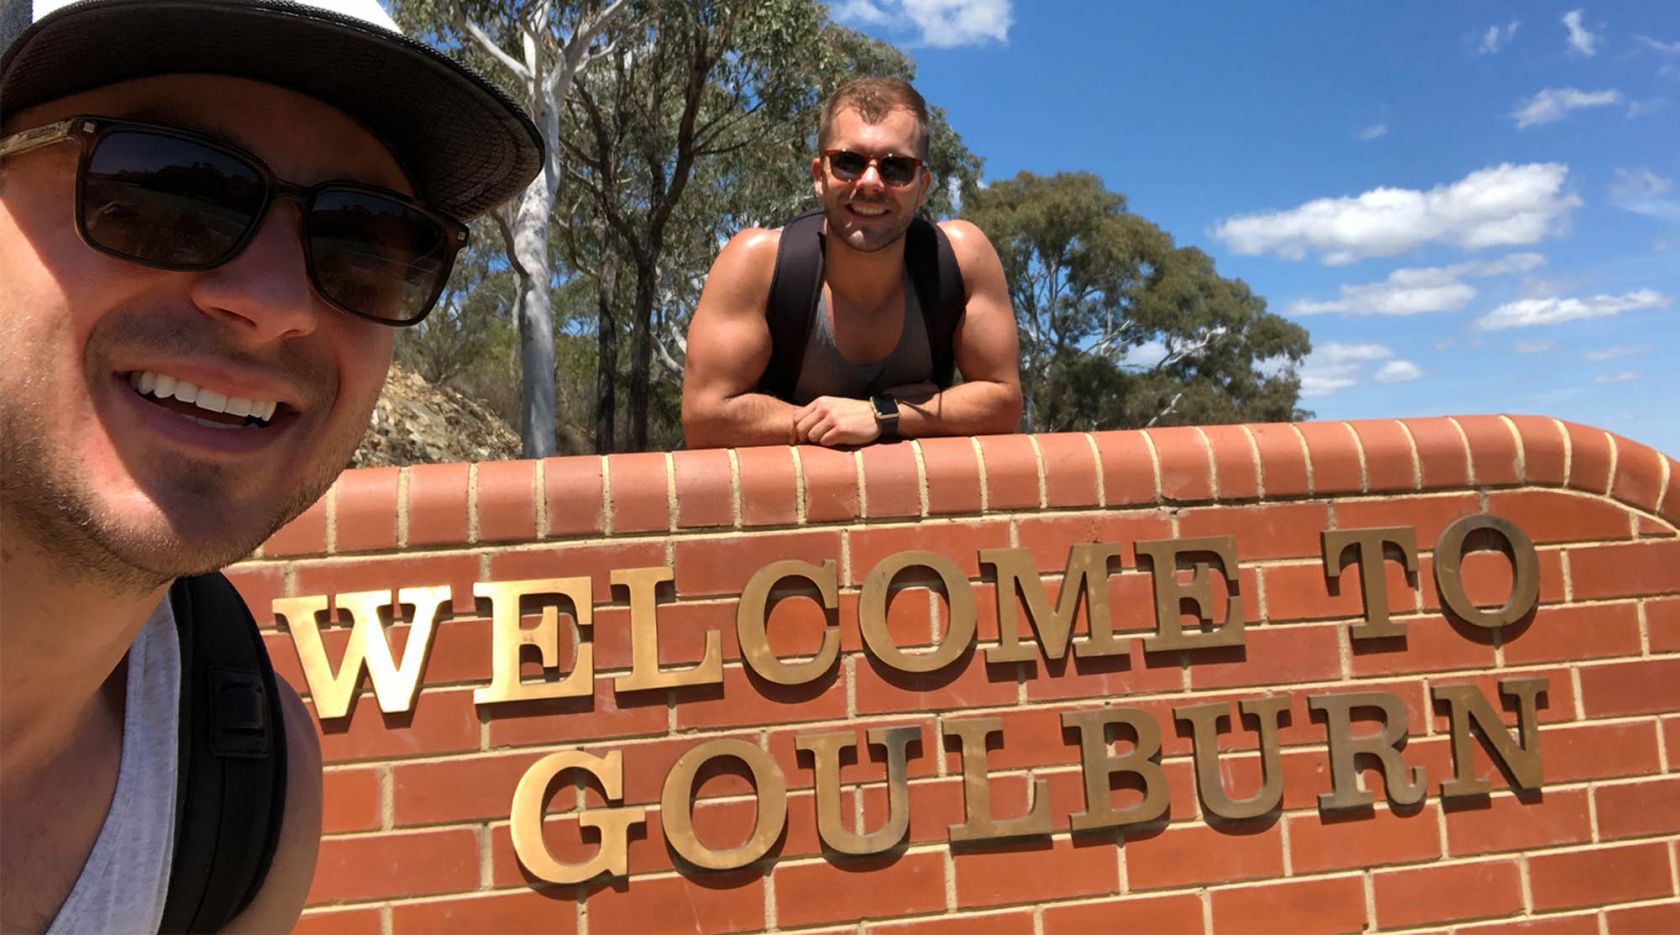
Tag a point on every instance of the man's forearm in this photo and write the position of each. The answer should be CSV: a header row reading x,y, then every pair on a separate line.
x,y
740,422
978,407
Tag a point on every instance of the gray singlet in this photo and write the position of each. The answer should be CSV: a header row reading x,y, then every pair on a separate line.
x,y
825,372
126,877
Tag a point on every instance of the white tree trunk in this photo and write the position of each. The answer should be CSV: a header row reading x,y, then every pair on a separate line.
x,y
547,75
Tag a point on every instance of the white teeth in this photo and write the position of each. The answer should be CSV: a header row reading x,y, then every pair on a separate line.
x,y
164,386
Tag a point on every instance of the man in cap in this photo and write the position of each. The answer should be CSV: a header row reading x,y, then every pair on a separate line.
x,y
212,214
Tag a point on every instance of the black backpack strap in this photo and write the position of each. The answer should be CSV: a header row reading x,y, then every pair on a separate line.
x,y
230,792
939,289
793,297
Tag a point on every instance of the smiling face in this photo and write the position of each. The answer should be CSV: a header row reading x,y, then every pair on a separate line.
x,y
112,451
866,213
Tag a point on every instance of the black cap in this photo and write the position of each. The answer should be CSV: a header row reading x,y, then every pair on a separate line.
x,y
466,145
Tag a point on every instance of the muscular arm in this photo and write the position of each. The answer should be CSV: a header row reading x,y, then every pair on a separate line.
x,y
988,401
728,349
278,904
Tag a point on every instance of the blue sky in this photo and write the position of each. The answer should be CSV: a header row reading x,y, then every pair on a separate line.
x,y
1471,207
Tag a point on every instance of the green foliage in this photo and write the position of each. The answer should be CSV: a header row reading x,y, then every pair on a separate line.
x,y
468,340
1119,327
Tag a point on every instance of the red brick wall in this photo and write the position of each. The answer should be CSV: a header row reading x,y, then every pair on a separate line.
x,y
417,803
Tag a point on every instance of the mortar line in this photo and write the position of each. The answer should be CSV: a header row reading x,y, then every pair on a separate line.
x,y
1306,457
1096,459
799,508
980,466
1522,450
734,488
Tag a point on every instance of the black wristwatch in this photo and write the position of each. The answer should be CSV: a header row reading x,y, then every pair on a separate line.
x,y
886,415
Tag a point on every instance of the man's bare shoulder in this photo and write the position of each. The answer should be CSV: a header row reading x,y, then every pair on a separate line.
x,y
967,239
753,247
739,283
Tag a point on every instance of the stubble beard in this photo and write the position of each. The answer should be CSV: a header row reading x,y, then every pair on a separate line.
x,y
48,503
870,241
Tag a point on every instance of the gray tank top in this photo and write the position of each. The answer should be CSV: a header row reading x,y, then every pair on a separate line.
x,y
126,877
825,372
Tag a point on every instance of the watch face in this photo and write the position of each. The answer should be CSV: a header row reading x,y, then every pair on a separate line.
x,y
885,407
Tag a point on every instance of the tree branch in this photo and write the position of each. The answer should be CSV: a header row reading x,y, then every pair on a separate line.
x,y
495,51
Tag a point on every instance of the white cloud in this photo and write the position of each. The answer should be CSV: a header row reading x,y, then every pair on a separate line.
x,y
1552,104
938,23
1552,310
1620,376
1398,371
1610,353
1581,40
1343,353
861,12
1647,106
1533,347
1372,132
1334,366
1645,192
1497,206
1417,291
1497,37
1661,47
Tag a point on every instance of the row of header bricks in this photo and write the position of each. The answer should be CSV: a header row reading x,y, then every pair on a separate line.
x,y
590,496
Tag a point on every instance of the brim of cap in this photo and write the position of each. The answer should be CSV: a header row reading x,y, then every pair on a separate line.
x,y
465,144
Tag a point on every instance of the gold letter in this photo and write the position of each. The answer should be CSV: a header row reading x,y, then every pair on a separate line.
x,y
825,750
1468,705
1204,732
979,825
1170,593
1384,745
1449,570
527,816
645,672
394,686
508,638
1087,574
872,612
1368,553
1098,763
753,612
676,805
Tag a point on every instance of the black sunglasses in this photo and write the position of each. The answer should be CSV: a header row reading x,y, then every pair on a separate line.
x,y
897,171
177,200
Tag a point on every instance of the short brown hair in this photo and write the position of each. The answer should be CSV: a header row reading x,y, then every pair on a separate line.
x,y
874,98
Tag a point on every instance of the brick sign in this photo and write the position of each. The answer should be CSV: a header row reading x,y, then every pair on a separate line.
x,y
1325,676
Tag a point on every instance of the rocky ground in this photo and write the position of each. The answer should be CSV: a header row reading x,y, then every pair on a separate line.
x,y
418,423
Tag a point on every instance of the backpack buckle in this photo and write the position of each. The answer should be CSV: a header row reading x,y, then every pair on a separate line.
x,y
239,721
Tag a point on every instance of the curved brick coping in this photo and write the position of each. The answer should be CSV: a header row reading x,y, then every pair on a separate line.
x,y
590,496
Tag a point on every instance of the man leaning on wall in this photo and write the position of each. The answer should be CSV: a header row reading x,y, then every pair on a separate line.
x,y
843,327
212,214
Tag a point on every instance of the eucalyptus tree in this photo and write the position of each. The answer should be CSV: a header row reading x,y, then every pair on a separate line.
x,y
1121,328
535,49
